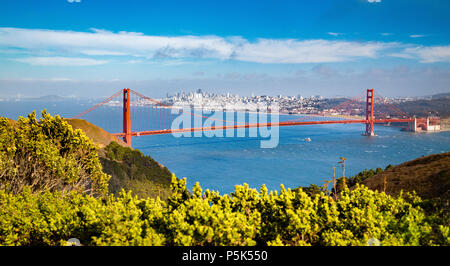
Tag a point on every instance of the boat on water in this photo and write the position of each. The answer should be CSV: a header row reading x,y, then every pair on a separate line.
x,y
307,139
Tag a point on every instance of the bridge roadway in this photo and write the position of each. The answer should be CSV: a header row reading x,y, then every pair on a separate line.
x,y
280,124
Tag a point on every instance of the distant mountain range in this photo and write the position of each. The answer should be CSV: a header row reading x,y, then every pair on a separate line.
x,y
50,98
441,96
423,108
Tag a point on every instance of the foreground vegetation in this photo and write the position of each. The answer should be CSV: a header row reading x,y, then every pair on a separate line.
x,y
245,217
33,211
47,154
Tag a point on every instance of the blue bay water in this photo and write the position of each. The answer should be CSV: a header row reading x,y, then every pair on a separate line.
x,y
221,163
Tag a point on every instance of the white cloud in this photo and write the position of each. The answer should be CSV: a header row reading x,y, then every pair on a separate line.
x,y
60,61
311,51
374,1
135,61
386,34
416,35
402,55
430,54
106,43
334,33
74,1
123,43
101,52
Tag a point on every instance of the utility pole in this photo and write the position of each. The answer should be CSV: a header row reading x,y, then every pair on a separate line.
x,y
343,168
325,186
334,181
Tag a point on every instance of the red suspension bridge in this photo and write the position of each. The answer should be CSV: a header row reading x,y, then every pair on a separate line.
x,y
140,115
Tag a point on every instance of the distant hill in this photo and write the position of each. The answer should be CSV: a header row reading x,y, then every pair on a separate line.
x,y
437,106
423,108
441,96
49,98
428,176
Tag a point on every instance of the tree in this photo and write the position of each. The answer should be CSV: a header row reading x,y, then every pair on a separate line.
x,y
47,154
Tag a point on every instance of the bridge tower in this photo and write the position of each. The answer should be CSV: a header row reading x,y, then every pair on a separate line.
x,y
126,117
369,113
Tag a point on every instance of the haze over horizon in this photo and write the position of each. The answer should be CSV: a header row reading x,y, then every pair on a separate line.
x,y
95,48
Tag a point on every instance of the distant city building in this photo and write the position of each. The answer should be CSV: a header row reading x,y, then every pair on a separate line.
x,y
316,104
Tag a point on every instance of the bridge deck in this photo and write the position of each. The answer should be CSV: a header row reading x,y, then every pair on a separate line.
x,y
279,124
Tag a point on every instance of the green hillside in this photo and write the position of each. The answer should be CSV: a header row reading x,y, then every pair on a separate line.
x,y
132,170
129,169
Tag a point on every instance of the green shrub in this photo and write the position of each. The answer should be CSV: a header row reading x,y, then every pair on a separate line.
x,y
245,217
47,154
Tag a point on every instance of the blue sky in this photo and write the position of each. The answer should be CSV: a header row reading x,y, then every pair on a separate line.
x,y
79,47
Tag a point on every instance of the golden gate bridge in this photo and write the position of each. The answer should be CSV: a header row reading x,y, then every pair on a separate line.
x,y
142,116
